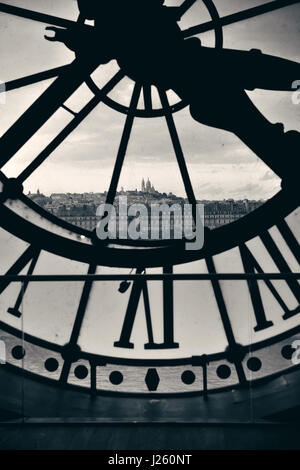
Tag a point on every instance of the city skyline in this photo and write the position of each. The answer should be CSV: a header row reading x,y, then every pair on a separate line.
x,y
80,209
152,189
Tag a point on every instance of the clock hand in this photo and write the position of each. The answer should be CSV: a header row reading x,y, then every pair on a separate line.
x,y
235,112
217,99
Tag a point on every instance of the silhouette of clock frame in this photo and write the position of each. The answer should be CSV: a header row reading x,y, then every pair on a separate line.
x,y
43,231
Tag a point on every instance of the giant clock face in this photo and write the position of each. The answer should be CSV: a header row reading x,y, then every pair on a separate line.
x,y
178,320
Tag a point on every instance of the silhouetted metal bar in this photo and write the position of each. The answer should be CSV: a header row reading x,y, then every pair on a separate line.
x,y
147,277
147,97
93,372
69,110
203,362
178,151
102,360
204,371
148,312
168,305
15,311
82,306
78,323
69,128
281,263
225,320
186,5
31,79
240,16
17,267
123,145
251,265
290,238
36,16
44,107
132,306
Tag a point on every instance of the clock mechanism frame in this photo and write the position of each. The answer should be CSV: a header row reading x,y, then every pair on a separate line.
x,y
69,365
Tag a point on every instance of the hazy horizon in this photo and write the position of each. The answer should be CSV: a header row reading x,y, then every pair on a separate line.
x,y
41,192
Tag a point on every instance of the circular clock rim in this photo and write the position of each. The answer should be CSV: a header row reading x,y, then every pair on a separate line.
x,y
101,360
150,253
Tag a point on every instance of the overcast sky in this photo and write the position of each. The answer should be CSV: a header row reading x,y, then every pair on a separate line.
x,y
220,165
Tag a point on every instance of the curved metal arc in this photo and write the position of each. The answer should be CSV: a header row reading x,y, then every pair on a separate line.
x,y
217,25
149,112
219,240
185,6
142,113
144,362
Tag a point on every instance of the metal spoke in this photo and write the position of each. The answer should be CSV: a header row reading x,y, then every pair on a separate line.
x,y
148,277
70,127
147,97
31,79
148,312
78,324
281,263
178,150
290,238
15,311
43,108
69,110
225,319
187,4
29,254
132,306
123,145
36,16
168,307
240,16
93,369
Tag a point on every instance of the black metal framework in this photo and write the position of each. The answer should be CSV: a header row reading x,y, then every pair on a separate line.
x,y
71,353
64,86
126,253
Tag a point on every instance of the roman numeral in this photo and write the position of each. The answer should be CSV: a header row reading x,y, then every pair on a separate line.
x,y
251,265
140,287
70,350
31,256
15,310
233,347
